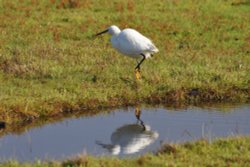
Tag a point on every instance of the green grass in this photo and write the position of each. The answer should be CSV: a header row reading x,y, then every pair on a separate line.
x,y
222,152
49,63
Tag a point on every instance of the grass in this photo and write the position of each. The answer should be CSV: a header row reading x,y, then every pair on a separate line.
x,y
222,152
50,64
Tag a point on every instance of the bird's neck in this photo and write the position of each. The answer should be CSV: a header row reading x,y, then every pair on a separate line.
x,y
116,32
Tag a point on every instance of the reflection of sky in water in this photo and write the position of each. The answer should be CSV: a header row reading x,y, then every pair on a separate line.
x,y
119,131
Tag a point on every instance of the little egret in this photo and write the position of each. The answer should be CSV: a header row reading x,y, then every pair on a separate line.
x,y
131,43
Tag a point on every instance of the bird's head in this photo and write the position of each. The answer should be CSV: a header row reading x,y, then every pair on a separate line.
x,y
112,30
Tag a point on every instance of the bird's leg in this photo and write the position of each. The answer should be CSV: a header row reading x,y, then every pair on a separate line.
x,y
137,113
143,58
138,116
137,68
137,73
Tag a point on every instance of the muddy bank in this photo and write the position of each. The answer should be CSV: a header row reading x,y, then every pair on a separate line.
x,y
184,97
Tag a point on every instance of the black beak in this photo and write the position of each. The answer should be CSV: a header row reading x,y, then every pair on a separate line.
x,y
100,33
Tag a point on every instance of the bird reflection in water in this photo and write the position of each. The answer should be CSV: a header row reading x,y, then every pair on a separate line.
x,y
130,138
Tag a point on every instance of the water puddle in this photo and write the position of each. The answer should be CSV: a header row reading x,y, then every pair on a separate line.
x,y
125,132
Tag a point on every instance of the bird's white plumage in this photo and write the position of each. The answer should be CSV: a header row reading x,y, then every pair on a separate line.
x,y
131,43
130,139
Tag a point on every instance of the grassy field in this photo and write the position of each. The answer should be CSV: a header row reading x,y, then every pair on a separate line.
x,y
50,64
222,152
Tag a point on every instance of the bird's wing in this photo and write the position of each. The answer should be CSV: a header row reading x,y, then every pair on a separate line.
x,y
132,42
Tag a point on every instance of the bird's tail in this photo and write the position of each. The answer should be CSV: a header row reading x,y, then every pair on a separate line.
x,y
151,52
154,49
147,55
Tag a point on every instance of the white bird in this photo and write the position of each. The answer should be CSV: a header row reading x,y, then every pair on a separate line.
x,y
131,43
129,139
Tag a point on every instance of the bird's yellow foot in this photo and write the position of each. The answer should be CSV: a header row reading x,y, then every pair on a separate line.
x,y
137,112
137,74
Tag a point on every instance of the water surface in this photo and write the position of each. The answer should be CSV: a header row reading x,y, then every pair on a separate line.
x,y
120,133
